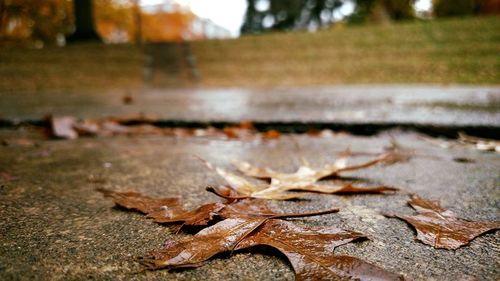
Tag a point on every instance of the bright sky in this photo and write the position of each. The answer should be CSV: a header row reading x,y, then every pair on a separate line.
x,y
423,5
231,16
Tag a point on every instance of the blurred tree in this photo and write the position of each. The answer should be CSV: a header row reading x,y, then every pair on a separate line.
x,y
447,8
444,8
268,15
115,20
173,26
265,15
489,7
84,22
380,11
34,20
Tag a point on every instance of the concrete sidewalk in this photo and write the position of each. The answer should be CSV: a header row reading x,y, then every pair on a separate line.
x,y
418,105
55,226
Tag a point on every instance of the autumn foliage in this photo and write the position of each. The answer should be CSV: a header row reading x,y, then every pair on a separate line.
x,y
51,21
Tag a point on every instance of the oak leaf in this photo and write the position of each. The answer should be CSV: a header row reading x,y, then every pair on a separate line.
x,y
305,179
170,210
193,251
309,250
246,223
164,210
441,228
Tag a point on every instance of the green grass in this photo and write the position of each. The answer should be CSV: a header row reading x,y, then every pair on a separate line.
x,y
464,51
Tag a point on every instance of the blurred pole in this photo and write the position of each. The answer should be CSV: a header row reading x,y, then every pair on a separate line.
x,y
3,16
84,22
138,22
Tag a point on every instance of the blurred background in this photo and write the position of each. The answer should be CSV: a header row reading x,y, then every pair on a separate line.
x,y
101,44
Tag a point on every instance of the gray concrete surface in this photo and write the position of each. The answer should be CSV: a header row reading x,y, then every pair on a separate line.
x,y
404,104
55,226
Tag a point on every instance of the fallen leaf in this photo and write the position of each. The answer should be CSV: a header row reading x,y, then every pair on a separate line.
x,y
63,127
127,99
246,124
170,210
310,251
271,134
466,141
239,133
68,127
139,202
280,185
441,228
306,174
395,153
164,210
247,223
239,184
479,143
193,251
24,142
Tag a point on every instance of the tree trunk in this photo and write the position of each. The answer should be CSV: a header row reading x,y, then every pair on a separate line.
x,y
138,22
84,22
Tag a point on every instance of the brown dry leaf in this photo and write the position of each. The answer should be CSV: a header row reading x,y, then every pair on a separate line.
x,y
271,134
23,142
141,203
164,210
440,228
310,251
466,141
239,184
479,143
304,179
193,251
397,153
306,174
170,210
127,99
248,223
142,124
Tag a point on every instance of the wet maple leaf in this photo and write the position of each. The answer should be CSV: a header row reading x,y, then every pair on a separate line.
x,y
304,179
441,228
309,250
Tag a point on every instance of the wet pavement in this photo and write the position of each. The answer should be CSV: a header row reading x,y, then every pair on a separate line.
x,y
370,104
55,226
